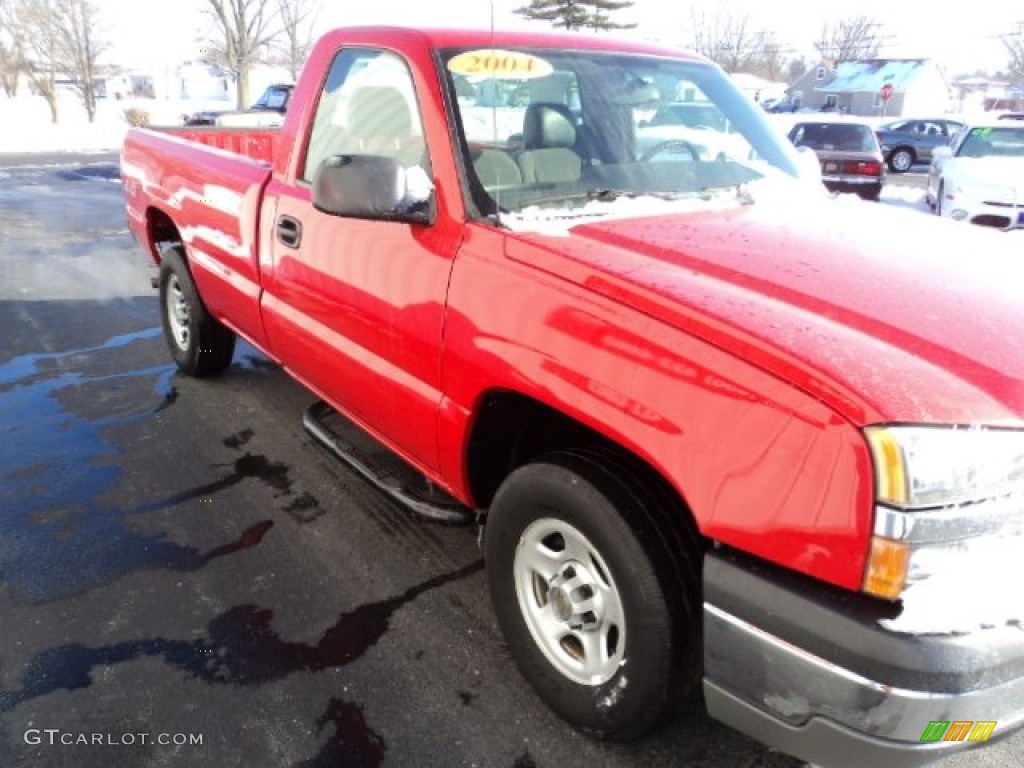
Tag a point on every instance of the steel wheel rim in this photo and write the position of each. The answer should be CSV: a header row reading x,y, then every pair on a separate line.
x,y
901,161
569,601
177,311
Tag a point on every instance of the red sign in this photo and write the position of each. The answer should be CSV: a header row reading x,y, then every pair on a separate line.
x,y
886,92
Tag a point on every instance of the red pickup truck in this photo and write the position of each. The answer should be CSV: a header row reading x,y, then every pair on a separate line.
x,y
729,436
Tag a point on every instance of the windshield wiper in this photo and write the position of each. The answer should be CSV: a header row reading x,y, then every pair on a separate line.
x,y
608,195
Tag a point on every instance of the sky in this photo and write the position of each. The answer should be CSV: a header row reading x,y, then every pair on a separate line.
x,y
962,42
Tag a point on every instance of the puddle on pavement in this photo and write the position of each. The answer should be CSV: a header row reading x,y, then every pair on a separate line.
x,y
353,744
237,440
304,508
56,538
95,172
241,648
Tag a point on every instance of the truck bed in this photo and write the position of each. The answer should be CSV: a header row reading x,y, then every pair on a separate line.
x,y
254,143
214,179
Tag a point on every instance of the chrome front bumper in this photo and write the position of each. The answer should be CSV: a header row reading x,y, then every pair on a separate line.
x,y
808,669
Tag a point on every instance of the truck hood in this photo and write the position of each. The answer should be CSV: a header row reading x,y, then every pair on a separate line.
x,y
884,314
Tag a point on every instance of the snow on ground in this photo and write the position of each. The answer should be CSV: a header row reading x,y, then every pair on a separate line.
x,y
26,124
905,197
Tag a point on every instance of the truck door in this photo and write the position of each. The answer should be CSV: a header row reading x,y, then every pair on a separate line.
x,y
354,308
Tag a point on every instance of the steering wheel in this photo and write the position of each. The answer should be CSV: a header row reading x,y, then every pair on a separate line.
x,y
672,145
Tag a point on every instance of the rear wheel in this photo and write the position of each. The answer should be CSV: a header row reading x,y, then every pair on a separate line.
x,y
599,609
901,160
939,204
199,344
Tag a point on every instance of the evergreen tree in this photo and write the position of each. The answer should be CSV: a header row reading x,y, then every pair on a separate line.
x,y
600,17
576,14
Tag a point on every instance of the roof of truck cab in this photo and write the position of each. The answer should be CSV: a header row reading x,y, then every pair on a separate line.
x,y
485,38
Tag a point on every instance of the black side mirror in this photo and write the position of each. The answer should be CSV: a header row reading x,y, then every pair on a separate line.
x,y
373,187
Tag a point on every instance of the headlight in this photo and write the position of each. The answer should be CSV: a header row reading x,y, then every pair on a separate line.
x,y
942,493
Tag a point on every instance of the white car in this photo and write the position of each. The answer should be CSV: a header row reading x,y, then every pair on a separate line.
x,y
979,178
697,128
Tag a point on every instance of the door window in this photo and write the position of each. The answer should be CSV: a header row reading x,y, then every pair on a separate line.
x,y
367,107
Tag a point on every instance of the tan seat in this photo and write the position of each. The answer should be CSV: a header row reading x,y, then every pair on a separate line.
x,y
548,139
378,122
496,170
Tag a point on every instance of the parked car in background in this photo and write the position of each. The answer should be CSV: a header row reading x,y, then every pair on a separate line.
x,y
906,142
273,103
782,105
851,160
980,177
680,128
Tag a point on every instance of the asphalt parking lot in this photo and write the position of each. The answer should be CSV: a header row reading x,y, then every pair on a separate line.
x,y
186,575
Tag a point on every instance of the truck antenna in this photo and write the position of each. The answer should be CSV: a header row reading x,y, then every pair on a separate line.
x,y
494,121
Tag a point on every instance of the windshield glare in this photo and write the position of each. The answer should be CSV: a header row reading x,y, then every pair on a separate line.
x,y
998,142
557,129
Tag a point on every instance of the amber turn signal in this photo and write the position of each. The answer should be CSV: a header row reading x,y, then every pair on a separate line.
x,y
886,572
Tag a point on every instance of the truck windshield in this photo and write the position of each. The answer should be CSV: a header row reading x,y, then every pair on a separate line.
x,y
561,129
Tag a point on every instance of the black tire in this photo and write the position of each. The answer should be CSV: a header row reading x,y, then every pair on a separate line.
x,y
629,582
199,344
938,199
901,160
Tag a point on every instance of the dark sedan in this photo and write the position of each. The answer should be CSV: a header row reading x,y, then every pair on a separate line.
x,y
851,160
907,142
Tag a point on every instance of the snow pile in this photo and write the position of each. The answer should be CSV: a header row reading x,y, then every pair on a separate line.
x,y
905,197
559,222
27,126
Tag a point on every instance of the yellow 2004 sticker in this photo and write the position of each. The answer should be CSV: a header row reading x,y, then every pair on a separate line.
x,y
492,62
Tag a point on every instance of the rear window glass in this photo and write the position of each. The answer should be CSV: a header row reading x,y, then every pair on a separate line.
x,y
838,136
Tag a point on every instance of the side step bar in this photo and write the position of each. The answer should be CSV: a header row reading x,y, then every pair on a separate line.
x,y
382,468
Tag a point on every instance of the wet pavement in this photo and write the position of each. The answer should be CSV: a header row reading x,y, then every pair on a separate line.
x,y
187,580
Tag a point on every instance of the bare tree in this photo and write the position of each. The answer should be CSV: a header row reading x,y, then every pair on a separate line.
x,y
796,68
80,48
35,37
1015,48
296,40
242,28
770,60
735,43
9,66
849,39
8,72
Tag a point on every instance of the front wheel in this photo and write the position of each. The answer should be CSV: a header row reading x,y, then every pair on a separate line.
x,y
199,344
596,611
